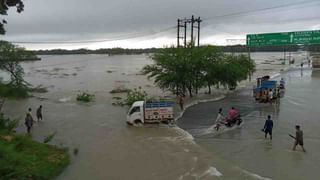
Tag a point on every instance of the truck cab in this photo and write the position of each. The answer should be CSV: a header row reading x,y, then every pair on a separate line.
x,y
136,113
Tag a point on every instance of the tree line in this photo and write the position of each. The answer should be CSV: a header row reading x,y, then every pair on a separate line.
x,y
109,51
182,70
231,49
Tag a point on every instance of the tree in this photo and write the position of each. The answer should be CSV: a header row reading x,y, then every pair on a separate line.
x,y
189,69
170,69
4,6
9,62
210,56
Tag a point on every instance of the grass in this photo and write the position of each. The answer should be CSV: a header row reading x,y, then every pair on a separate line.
x,y
23,158
85,97
132,96
13,92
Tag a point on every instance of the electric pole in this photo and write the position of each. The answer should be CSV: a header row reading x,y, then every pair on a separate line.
x,y
178,33
199,21
192,26
185,33
182,23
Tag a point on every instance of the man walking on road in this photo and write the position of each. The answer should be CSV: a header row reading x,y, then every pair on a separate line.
x,y
298,139
268,126
180,101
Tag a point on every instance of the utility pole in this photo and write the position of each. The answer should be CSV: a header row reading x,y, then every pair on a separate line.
x,y
185,33
192,26
182,23
199,21
178,33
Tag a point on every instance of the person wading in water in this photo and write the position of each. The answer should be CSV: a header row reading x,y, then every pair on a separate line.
x,y
29,121
298,139
268,126
39,113
219,120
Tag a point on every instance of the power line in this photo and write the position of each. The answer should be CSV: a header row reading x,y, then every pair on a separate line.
x,y
261,9
130,36
225,31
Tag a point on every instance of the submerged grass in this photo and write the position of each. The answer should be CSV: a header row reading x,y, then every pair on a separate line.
x,y
23,158
85,97
13,92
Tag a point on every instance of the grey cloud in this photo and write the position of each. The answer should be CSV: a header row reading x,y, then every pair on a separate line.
x,y
60,20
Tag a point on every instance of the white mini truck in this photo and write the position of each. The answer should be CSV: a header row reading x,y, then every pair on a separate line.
x,y
142,112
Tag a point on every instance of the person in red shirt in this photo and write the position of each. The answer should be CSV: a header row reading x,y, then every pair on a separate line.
x,y
232,113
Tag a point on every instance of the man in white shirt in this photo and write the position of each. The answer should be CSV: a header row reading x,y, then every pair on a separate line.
x,y
270,95
219,120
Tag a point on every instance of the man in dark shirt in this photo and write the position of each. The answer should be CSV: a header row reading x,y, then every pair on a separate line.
x,y
268,125
299,139
39,113
29,120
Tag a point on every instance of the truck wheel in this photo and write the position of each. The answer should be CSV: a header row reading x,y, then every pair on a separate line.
x,y
137,122
165,122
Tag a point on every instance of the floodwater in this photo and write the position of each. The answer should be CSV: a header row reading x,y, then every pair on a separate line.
x,y
109,149
246,146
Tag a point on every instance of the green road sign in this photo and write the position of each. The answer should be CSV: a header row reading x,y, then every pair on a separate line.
x,y
283,39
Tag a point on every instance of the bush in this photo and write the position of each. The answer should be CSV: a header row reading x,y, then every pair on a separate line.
x,y
132,96
135,95
12,91
7,124
85,97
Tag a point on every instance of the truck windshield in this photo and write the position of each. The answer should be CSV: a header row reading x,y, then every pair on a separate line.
x,y
135,109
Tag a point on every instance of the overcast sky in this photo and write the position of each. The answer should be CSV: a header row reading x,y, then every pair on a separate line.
x,y
152,22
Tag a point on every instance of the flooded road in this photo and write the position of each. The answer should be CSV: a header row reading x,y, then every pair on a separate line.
x,y
109,149
246,146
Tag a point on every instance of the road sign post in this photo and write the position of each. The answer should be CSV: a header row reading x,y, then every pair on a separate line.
x,y
284,38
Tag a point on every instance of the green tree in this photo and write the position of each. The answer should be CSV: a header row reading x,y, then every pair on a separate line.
x,y
170,70
9,62
210,56
189,69
4,7
233,69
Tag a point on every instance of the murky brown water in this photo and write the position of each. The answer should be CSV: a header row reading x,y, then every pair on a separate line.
x,y
109,149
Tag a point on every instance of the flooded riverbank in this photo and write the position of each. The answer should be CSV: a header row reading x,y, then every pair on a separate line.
x,y
108,148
